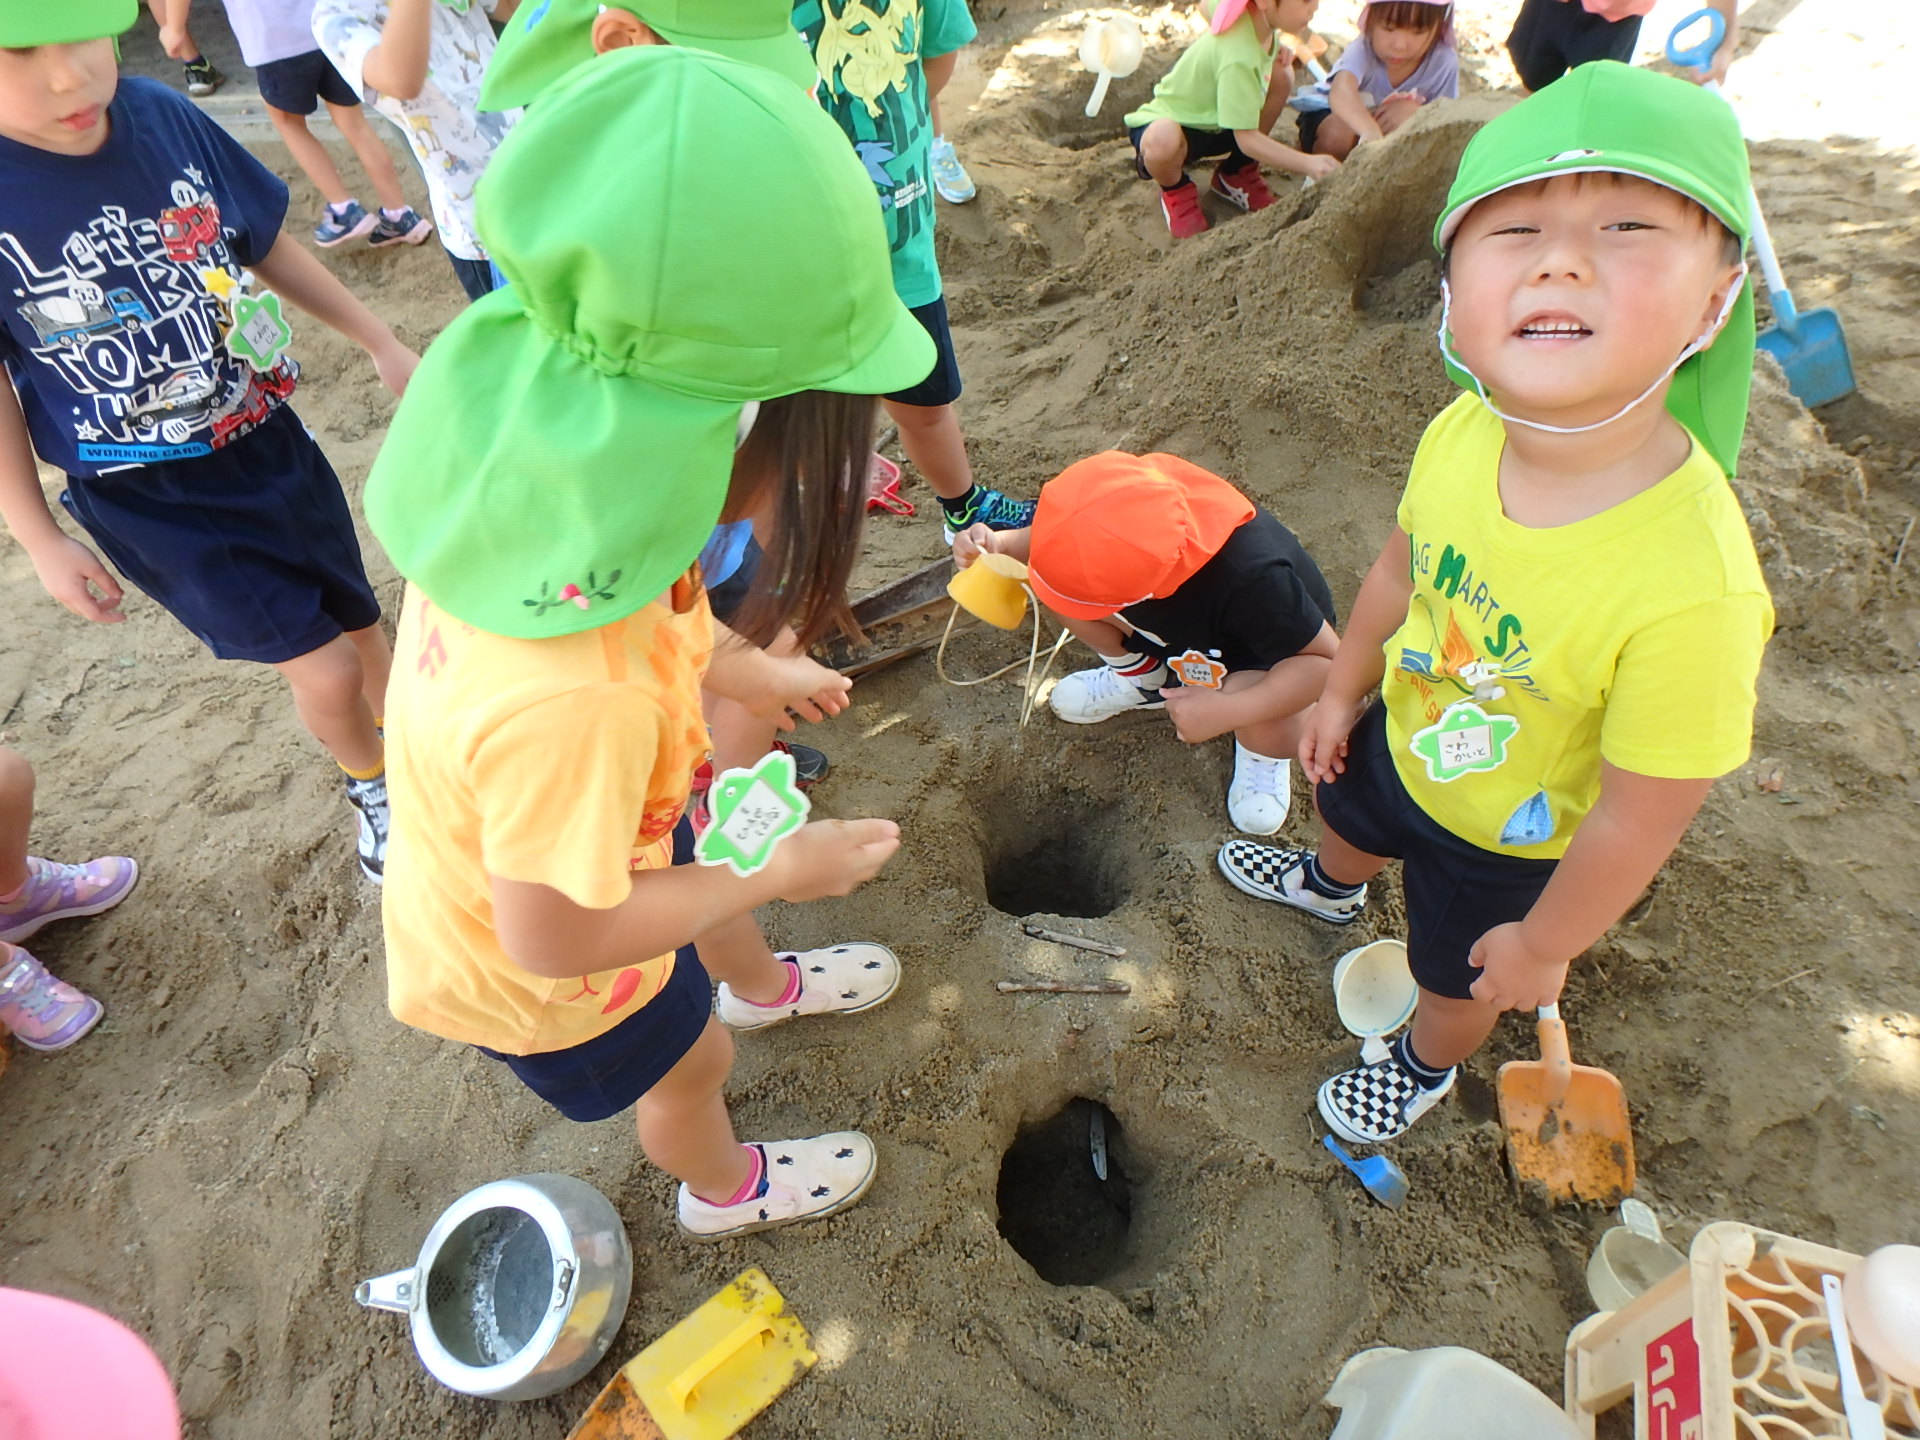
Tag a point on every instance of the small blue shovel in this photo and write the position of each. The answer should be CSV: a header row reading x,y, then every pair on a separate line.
x,y
1809,345
1379,1176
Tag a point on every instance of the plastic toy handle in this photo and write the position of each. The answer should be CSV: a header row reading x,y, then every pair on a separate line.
x,y
1700,55
1554,1054
1099,93
750,1329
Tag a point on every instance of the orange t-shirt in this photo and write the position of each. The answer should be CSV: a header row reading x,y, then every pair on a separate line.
x,y
561,762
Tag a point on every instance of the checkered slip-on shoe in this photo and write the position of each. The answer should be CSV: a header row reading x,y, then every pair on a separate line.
x,y
1279,875
1374,1103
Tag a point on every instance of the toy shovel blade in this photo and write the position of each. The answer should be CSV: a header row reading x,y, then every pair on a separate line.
x,y
1812,350
1567,1125
1378,1176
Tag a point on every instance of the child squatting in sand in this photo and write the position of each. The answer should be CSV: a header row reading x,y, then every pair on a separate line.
x,y
1197,601
1567,623
1402,59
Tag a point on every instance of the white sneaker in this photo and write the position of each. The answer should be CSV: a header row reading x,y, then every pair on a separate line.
x,y
1276,875
843,979
369,798
1261,792
1087,697
805,1180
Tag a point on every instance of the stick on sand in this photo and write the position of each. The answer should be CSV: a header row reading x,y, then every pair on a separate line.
x,y
1063,987
1078,942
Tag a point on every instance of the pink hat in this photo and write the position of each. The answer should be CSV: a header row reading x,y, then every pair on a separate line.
x,y
1446,25
71,1373
1225,13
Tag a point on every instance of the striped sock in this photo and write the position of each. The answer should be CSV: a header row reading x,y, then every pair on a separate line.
x,y
1424,1075
1149,672
1317,880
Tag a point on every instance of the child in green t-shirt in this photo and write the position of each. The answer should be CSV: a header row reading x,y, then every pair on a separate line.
x,y
1567,623
1220,99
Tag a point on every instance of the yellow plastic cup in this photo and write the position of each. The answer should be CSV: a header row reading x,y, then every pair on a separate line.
x,y
989,589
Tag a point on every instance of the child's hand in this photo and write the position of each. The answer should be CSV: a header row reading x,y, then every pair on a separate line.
x,y
1323,745
1318,167
802,685
970,544
831,857
395,365
1513,976
72,573
1197,714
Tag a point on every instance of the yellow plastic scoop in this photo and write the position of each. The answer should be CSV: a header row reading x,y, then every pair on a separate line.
x,y
991,589
1567,1125
710,1374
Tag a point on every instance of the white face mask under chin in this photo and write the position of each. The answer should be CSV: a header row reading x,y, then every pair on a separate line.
x,y
1694,347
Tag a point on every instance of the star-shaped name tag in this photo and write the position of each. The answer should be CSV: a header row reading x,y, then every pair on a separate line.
x,y
753,811
1463,740
260,333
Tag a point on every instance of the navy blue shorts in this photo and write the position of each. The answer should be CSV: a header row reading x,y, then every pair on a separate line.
x,y
726,598
475,276
251,548
298,83
1456,891
1551,37
942,385
1201,145
599,1079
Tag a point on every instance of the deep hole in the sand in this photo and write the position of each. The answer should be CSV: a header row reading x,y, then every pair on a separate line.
x,y
1045,853
1056,1211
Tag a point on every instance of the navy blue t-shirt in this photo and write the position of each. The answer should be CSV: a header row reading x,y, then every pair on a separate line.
x,y
110,333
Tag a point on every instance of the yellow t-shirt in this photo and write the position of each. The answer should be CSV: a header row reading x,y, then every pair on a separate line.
x,y
1530,655
559,762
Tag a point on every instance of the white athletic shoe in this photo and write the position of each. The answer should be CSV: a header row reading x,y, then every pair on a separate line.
x,y
1087,697
805,1180
1261,792
842,979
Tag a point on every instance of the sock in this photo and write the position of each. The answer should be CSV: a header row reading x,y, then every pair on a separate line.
x,y
393,215
374,774
341,208
961,506
756,1185
1317,880
18,890
788,995
1149,672
1183,180
1423,1074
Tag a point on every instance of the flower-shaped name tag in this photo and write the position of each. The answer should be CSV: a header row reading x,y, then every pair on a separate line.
x,y
753,811
1464,740
260,332
1200,671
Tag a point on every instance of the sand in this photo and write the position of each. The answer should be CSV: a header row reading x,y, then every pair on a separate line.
x,y
249,1134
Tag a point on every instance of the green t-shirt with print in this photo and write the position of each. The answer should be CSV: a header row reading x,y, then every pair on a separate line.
x,y
1218,83
869,55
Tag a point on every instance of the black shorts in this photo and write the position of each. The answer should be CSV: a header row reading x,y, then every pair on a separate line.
x,y
1201,145
1308,123
598,1079
942,385
476,276
1550,37
1456,891
299,83
251,548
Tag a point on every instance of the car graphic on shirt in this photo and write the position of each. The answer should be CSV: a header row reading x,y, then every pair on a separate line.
x,y
274,385
187,230
183,394
69,319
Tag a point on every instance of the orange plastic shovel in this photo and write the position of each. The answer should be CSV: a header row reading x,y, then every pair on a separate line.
x,y
1567,1125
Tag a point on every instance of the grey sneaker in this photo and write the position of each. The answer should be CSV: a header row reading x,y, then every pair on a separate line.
x,y
369,797
409,229
337,226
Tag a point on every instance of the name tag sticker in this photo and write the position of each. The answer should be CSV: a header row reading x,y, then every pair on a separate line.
x,y
1465,739
753,811
1200,671
260,332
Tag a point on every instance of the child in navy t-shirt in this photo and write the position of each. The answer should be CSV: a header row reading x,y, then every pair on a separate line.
x,y
142,276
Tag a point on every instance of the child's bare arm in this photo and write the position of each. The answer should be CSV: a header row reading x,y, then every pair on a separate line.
x,y
1279,89
1343,98
295,274
1377,612
938,70
69,570
1253,697
771,685
397,66
1618,849
546,933
1269,151
977,540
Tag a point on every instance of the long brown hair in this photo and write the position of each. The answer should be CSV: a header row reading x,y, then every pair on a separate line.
x,y
803,468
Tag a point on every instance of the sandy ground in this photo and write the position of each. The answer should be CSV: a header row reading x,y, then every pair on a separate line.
x,y
249,1133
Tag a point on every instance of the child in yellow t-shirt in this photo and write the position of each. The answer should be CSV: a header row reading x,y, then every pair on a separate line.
x,y
571,442
1567,623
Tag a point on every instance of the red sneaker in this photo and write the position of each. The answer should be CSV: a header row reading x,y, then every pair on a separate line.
x,y
1182,207
1243,188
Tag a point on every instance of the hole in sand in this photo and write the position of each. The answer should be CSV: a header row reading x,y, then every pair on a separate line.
x,y
1055,1210
1046,853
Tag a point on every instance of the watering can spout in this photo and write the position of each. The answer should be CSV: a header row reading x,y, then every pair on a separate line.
x,y
388,1292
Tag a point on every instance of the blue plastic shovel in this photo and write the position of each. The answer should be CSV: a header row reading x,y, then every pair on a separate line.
x,y
1379,1176
1810,345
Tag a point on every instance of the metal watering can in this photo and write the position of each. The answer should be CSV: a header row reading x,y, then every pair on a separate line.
x,y
519,1288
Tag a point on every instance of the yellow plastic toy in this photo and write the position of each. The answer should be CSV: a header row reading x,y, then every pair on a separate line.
x,y
993,589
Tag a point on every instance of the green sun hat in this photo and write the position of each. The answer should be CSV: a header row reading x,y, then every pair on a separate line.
x,y
544,41
565,447
27,23
1605,116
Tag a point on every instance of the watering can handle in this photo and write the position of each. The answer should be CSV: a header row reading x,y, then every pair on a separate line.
x,y
1099,93
1554,1054
751,1328
1697,56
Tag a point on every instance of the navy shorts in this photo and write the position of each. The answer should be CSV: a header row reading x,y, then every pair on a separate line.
x,y
726,598
600,1078
298,83
1201,145
1456,891
251,548
942,385
1550,37
1308,123
475,276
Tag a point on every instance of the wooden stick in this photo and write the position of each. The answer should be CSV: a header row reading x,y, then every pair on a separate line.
x,y
1063,987
1077,942
1797,975
1901,553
